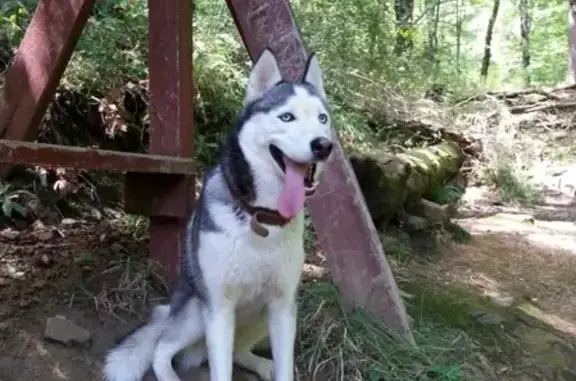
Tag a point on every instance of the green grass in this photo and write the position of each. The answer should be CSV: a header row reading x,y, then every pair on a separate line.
x,y
447,194
309,233
514,186
400,251
355,346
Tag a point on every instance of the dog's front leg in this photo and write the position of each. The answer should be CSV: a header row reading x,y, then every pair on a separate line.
x,y
219,321
282,329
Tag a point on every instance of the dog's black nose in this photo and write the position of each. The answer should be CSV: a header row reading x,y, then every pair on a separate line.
x,y
321,148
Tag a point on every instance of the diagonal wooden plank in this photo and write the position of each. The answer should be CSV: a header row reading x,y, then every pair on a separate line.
x,y
339,213
41,59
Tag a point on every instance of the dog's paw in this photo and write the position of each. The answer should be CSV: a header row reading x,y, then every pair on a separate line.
x,y
265,369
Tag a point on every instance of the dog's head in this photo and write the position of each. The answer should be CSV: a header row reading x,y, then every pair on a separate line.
x,y
291,121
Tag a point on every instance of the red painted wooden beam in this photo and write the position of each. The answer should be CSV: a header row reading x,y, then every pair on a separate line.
x,y
171,117
39,64
154,183
339,213
19,152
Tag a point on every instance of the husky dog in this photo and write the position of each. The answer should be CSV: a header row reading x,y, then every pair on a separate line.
x,y
244,242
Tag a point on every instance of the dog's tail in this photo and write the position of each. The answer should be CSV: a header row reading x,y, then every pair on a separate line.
x,y
133,356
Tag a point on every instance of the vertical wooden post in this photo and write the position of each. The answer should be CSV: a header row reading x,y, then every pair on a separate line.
x,y
339,213
171,114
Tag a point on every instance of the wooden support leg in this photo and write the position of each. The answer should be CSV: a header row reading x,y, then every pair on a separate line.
x,y
339,213
41,59
171,115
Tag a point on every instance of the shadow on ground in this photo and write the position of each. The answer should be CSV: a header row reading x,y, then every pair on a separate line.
x,y
512,287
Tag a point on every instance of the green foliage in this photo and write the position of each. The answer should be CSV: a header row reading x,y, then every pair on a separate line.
x,y
14,18
400,251
548,44
112,49
448,194
309,233
9,201
514,186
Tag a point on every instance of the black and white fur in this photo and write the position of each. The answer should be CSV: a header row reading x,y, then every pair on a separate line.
x,y
237,287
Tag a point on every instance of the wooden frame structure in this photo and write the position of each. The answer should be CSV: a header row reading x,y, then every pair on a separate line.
x,y
345,229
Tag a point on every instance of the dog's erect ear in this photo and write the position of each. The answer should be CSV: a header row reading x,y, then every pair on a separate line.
x,y
264,75
313,74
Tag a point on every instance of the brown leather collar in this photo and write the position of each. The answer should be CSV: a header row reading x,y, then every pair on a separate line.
x,y
260,216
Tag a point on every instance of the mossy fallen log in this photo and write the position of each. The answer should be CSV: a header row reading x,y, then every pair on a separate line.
x,y
388,181
431,167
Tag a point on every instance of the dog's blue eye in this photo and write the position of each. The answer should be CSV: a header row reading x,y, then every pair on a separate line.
x,y
287,117
323,118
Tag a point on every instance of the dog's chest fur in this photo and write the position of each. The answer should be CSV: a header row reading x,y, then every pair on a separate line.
x,y
245,268
265,268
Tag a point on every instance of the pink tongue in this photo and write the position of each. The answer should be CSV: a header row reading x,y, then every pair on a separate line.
x,y
291,200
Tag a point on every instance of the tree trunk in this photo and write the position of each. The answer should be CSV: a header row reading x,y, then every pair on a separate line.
x,y
431,36
436,23
525,11
404,10
432,21
571,75
488,40
459,22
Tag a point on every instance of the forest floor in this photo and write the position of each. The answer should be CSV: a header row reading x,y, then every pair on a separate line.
x,y
92,273
507,293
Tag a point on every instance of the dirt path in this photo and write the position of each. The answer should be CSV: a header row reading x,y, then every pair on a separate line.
x,y
524,263
522,254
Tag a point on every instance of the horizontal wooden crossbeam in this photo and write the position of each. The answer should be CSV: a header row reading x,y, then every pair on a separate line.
x,y
20,152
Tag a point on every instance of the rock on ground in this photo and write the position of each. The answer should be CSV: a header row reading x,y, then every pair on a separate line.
x,y
62,330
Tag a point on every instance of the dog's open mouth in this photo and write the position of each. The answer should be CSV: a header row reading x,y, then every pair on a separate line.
x,y
298,183
310,183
